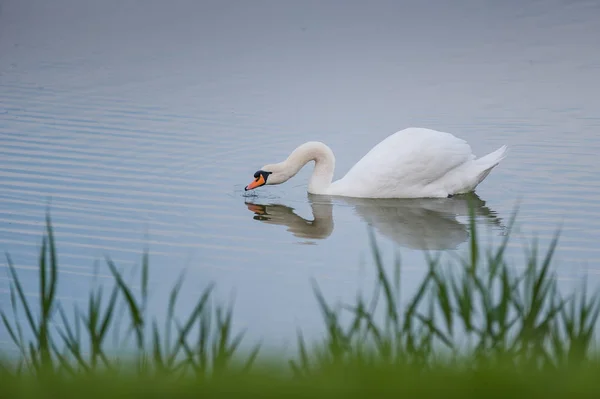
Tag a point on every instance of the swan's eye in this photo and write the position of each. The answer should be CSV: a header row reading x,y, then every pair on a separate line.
x,y
262,173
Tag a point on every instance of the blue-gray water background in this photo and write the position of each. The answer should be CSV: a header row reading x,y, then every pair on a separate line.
x,y
140,122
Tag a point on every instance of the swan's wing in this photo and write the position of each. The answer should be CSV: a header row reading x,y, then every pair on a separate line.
x,y
410,158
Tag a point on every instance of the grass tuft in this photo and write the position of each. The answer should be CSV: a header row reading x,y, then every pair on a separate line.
x,y
479,317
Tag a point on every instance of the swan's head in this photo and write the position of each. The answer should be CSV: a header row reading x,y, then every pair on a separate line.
x,y
268,174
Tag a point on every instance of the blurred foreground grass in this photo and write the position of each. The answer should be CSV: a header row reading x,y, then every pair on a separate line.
x,y
377,381
470,331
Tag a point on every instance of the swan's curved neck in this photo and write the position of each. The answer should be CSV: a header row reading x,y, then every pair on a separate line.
x,y
324,165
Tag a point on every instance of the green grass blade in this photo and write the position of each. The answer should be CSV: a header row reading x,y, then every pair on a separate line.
x,y
21,293
134,309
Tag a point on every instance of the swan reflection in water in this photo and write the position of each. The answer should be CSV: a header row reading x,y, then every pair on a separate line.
x,y
428,224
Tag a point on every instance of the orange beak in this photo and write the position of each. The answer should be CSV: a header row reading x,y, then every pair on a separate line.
x,y
256,183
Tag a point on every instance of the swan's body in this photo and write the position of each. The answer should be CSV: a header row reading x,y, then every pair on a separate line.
x,y
411,163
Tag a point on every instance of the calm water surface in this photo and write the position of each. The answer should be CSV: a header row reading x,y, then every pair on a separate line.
x,y
141,122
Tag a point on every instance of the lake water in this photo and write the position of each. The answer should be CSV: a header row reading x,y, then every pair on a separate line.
x,y
140,122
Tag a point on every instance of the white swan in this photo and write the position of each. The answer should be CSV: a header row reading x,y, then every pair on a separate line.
x,y
411,163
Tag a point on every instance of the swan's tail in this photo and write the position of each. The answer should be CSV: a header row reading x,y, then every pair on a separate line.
x,y
486,163
493,158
